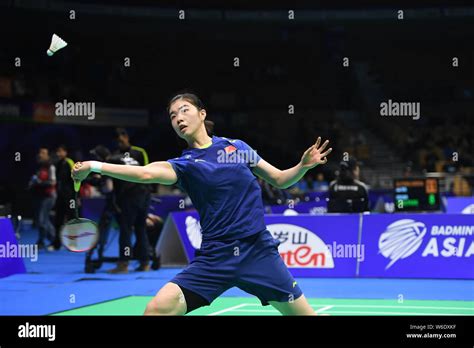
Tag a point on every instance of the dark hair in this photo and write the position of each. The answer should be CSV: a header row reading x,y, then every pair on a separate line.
x,y
346,175
62,146
121,131
100,152
346,170
194,100
189,97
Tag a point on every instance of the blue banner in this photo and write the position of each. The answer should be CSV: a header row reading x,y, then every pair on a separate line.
x,y
11,255
462,205
311,246
418,246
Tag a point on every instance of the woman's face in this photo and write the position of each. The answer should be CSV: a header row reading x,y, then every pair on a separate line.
x,y
186,119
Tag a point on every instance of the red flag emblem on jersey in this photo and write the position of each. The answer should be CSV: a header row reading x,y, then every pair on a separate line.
x,y
230,149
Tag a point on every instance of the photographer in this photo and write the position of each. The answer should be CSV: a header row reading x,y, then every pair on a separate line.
x,y
347,194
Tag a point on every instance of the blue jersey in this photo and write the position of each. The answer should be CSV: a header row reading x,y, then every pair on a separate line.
x,y
222,187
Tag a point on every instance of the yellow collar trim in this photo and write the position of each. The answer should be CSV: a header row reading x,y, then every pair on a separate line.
x,y
206,145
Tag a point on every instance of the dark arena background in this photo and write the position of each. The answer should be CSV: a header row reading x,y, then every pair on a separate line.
x,y
380,238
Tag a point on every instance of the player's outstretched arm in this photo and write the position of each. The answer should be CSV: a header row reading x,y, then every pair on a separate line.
x,y
156,172
283,179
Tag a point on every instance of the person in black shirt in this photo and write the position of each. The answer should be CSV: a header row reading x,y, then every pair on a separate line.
x,y
132,200
104,185
347,194
65,189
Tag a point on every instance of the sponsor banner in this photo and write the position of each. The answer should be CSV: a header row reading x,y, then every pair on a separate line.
x,y
9,262
104,116
5,87
418,246
462,205
10,111
43,112
311,246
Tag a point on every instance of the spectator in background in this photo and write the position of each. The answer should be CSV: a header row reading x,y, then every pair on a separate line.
x,y
65,192
431,157
272,195
300,188
110,211
408,170
320,184
133,200
154,226
43,188
347,193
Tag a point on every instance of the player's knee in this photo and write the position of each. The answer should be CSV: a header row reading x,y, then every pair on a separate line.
x,y
166,303
160,307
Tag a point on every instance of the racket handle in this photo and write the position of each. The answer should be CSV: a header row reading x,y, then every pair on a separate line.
x,y
77,185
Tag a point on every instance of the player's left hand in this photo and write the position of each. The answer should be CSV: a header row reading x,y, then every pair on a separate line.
x,y
81,170
315,155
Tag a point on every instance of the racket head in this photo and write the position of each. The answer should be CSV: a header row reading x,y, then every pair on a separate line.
x,y
79,235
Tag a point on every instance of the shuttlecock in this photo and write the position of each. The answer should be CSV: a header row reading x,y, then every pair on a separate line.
x,y
56,44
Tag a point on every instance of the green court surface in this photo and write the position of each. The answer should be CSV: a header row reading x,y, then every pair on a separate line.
x,y
135,305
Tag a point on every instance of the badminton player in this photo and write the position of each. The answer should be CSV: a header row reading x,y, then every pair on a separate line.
x,y
237,250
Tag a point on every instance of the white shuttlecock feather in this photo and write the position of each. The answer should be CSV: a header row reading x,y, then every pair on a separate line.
x,y
56,44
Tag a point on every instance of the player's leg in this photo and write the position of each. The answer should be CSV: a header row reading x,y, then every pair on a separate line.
x,y
266,276
168,301
142,242
60,209
299,306
173,299
208,275
125,244
50,231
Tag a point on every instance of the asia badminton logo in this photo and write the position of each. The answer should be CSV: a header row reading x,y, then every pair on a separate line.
x,y
468,210
401,239
404,237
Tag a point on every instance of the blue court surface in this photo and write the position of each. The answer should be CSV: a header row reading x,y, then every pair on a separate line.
x,y
56,283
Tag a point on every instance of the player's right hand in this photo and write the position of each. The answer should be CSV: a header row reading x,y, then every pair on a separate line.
x,y
81,170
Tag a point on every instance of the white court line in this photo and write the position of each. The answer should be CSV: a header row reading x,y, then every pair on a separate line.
x,y
396,313
348,312
229,309
236,309
323,309
403,306
256,310
381,306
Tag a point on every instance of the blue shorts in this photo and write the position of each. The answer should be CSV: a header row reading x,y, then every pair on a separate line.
x,y
252,264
